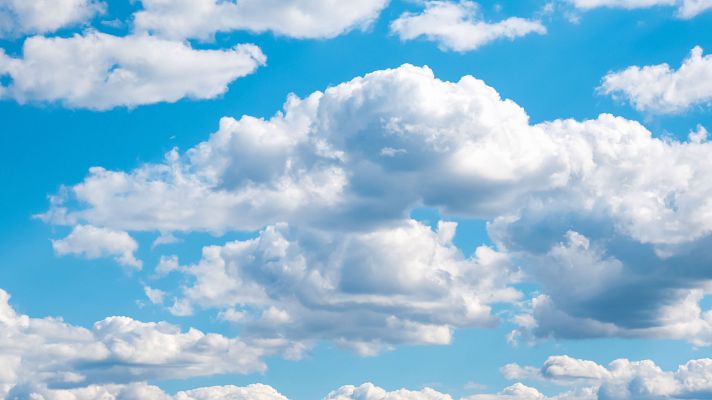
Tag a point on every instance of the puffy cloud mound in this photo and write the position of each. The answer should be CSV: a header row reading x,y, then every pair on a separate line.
x,y
659,89
622,379
18,17
48,352
92,242
295,18
100,71
600,201
402,284
369,391
457,26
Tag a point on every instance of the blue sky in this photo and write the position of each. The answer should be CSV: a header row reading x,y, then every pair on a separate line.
x,y
596,220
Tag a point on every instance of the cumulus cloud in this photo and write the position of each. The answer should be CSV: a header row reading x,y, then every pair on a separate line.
x,y
660,89
48,352
295,18
100,71
457,26
405,284
622,379
600,201
18,17
142,390
369,391
686,9
92,243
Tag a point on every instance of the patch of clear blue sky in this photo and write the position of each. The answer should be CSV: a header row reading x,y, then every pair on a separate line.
x,y
551,76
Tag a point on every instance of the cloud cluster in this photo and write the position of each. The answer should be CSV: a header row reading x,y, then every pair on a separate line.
x,y
402,284
686,9
100,71
599,201
201,19
369,391
659,89
19,17
142,390
46,352
622,379
153,63
457,26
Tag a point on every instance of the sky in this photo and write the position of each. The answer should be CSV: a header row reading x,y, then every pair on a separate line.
x,y
373,200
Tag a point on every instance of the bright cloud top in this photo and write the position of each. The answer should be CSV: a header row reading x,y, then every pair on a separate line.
x,y
621,379
92,242
18,17
600,201
660,89
685,8
49,352
295,18
99,71
457,26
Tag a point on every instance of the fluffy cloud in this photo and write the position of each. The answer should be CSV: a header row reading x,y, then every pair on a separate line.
x,y
622,379
686,9
659,89
92,242
142,390
457,26
406,284
19,17
691,8
99,71
600,201
296,18
369,391
49,352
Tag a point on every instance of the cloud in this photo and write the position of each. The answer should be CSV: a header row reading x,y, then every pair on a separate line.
x,y
369,391
623,379
118,350
100,71
686,9
92,243
18,17
405,284
659,89
295,18
142,390
600,201
692,8
457,26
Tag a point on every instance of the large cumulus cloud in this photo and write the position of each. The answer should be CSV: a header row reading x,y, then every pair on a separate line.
x,y
600,201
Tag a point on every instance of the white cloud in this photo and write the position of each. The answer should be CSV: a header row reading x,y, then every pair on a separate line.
x,y
100,71
369,391
155,296
629,4
406,284
38,352
166,265
141,390
295,18
600,201
659,89
623,379
19,17
692,8
686,9
92,243
457,26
